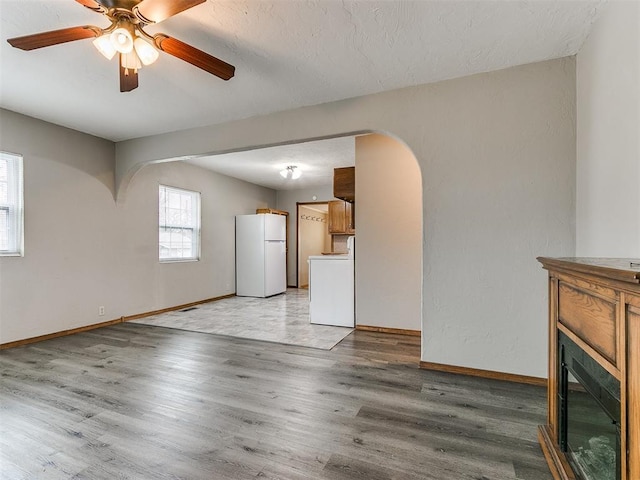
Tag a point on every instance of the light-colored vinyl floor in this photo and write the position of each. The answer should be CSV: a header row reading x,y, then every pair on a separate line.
x,y
281,319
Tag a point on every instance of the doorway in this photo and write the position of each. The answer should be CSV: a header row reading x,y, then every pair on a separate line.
x,y
312,237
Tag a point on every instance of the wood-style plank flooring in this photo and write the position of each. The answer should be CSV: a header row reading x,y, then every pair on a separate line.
x,y
141,402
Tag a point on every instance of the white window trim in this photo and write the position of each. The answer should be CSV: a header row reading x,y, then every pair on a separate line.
x,y
197,227
16,220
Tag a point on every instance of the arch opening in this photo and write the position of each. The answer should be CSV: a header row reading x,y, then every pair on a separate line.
x,y
389,230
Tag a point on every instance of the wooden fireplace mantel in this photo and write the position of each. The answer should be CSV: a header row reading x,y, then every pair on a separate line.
x,y
596,303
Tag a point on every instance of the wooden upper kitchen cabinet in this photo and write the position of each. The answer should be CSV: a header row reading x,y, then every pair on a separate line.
x,y
341,218
344,183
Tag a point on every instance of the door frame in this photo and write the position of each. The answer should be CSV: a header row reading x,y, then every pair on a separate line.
x,y
298,205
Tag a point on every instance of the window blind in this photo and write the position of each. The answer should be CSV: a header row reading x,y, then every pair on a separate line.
x,y
179,224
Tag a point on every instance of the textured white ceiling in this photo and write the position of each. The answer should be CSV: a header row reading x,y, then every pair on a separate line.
x,y
287,53
316,160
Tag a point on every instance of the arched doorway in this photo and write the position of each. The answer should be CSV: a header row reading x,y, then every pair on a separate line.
x,y
388,234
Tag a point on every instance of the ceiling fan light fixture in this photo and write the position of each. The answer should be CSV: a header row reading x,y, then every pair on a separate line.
x,y
146,52
122,40
130,61
105,47
291,171
126,36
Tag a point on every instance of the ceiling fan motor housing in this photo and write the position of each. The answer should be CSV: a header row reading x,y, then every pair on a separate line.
x,y
119,4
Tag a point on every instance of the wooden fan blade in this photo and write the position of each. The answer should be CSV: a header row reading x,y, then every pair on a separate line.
x,y
128,79
154,11
92,5
194,56
54,37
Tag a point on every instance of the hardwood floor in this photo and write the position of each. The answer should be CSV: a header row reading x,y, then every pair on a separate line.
x,y
140,402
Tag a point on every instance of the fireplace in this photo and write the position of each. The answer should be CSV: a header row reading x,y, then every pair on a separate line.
x,y
588,414
592,430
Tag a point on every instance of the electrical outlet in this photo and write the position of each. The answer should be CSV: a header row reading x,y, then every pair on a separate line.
x,y
101,311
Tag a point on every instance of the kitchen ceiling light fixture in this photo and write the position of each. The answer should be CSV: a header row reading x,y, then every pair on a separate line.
x,y
293,172
126,37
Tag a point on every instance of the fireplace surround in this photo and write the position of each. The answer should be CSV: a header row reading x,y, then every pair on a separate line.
x,y
593,416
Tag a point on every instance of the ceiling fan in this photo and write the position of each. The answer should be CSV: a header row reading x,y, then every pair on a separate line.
x,y
126,37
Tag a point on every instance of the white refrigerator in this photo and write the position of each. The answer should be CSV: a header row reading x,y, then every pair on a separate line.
x,y
261,255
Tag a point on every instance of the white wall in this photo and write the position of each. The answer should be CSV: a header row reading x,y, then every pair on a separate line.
x,y
82,251
497,156
608,135
286,200
389,234
70,266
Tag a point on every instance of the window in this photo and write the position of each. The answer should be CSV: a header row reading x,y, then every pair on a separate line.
x,y
179,224
11,216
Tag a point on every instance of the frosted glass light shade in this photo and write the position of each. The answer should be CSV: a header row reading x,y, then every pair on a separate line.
x,y
105,47
292,172
122,40
146,52
130,61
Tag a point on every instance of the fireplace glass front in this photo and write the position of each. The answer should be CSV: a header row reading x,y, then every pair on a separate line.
x,y
589,414
592,437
